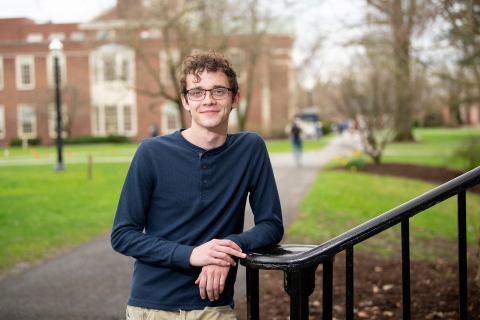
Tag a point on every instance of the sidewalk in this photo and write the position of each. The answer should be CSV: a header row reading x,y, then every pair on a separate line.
x,y
92,281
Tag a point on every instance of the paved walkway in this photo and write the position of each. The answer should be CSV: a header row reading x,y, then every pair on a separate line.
x,y
92,281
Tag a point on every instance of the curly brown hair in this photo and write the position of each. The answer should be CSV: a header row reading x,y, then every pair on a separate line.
x,y
211,62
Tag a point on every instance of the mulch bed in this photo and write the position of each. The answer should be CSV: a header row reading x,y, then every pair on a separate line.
x,y
378,284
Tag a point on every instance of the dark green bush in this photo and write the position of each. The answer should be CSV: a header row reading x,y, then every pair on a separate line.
x,y
432,120
17,142
469,152
326,127
92,139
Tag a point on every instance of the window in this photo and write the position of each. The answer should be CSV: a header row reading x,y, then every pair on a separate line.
x,y
52,120
26,121
127,118
77,36
170,118
51,69
1,73
155,33
106,35
34,37
96,117
112,66
59,35
25,74
125,69
111,120
114,119
109,73
2,122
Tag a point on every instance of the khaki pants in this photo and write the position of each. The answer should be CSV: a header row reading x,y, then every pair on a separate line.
x,y
209,313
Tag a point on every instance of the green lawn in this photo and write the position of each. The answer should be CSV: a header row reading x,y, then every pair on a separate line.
x,y
43,211
341,200
434,147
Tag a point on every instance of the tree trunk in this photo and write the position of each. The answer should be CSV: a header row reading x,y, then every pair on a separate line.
x,y
404,104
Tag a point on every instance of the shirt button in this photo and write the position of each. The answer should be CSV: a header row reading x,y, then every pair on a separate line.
x,y
204,181
204,166
204,155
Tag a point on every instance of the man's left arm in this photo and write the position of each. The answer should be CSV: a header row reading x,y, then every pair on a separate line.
x,y
265,203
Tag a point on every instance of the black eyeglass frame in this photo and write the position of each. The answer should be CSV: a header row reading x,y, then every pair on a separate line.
x,y
205,94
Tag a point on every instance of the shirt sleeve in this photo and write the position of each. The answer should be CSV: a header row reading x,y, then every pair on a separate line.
x,y
128,235
265,203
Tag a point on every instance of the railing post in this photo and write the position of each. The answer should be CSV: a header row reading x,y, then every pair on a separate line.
x,y
349,297
328,289
406,300
299,284
462,255
253,301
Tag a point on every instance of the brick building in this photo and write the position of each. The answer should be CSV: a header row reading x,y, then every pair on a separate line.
x,y
101,74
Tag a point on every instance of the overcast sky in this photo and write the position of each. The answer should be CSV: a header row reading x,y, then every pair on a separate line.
x,y
58,11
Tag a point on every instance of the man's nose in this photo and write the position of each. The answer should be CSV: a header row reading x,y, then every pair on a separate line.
x,y
208,97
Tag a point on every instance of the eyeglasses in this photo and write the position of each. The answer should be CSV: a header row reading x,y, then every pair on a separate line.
x,y
199,94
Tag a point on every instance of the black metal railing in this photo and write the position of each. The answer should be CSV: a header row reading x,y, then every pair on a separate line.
x,y
299,262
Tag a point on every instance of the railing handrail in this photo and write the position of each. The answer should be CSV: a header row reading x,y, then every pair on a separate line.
x,y
368,229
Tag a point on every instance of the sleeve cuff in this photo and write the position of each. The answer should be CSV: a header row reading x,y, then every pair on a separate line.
x,y
181,256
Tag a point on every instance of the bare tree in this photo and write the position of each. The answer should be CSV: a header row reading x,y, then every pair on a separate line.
x,y
452,84
73,103
366,96
197,25
170,30
403,18
463,17
253,41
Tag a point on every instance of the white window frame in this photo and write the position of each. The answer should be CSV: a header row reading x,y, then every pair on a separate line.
x,y
127,119
34,37
77,36
106,35
122,68
169,113
100,120
59,35
52,120
51,69
19,73
20,112
114,117
2,122
2,83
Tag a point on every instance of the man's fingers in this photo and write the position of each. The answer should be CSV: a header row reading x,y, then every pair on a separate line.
x,y
229,243
201,286
229,247
214,251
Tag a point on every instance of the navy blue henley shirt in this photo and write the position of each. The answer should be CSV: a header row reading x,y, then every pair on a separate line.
x,y
177,196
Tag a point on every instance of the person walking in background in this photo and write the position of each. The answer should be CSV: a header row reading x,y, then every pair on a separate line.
x,y
181,209
153,130
296,139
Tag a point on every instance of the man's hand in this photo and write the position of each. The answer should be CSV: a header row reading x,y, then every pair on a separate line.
x,y
216,252
211,281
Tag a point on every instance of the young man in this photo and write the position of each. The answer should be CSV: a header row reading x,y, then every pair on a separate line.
x,y
181,209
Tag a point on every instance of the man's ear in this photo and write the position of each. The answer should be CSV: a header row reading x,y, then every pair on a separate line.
x,y
236,100
185,103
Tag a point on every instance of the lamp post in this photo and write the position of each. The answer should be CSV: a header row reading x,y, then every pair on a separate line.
x,y
55,48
